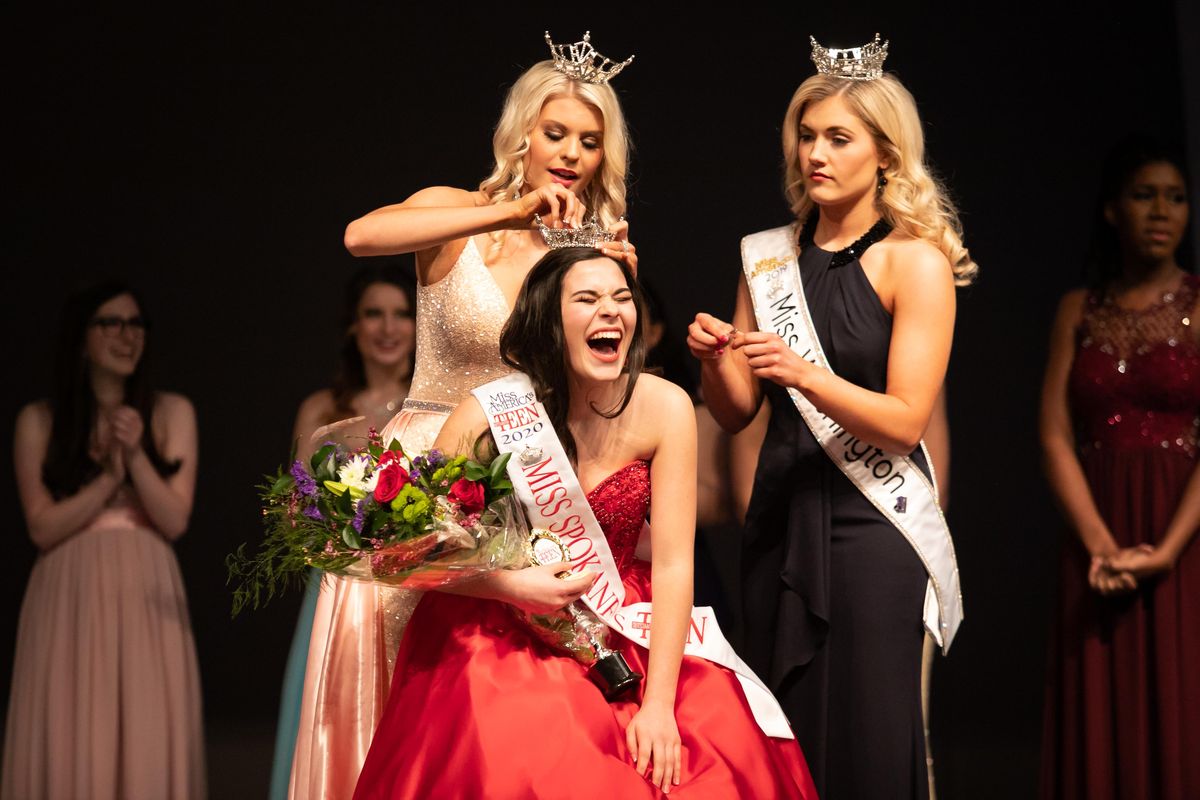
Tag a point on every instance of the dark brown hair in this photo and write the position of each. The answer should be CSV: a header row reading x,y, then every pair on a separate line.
x,y
532,340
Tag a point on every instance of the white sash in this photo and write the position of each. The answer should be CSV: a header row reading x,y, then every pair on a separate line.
x,y
893,483
548,488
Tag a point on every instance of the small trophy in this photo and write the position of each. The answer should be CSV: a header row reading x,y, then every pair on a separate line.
x,y
580,631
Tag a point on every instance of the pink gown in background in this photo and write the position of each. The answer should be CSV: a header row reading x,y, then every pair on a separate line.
x,y
482,708
358,625
105,700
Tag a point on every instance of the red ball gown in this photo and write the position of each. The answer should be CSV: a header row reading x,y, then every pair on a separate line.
x,y
1123,703
480,707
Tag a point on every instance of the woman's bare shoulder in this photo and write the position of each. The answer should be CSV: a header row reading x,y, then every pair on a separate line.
x,y
35,418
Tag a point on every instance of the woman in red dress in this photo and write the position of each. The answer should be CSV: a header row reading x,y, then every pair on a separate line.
x,y
1119,420
479,705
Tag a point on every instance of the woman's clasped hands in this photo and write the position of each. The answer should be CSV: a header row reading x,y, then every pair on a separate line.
x,y
558,207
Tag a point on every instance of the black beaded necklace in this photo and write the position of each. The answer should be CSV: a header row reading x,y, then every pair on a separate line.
x,y
877,232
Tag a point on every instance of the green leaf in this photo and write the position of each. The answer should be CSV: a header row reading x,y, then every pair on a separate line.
x,y
351,538
475,472
395,445
319,457
499,465
376,520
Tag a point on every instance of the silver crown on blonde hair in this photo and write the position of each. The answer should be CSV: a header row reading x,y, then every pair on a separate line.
x,y
856,63
582,62
590,234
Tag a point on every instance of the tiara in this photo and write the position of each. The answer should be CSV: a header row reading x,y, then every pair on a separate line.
x,y
589,234
856,63
582,62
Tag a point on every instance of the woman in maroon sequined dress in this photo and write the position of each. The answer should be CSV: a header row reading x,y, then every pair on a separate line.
x,y
479,705
1119,421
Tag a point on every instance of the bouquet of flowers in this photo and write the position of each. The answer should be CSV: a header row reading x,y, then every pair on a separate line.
x,y
375,514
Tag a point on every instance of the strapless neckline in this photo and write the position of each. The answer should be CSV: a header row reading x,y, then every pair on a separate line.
x,y
616,474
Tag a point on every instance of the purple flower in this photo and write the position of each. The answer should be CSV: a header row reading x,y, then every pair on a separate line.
x,y
414,475
304,482
360,515
435,456
312,512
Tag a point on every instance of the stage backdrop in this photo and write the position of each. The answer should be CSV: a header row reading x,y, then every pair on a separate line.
x,y
215,159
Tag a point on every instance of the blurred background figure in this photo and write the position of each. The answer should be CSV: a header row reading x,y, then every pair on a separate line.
x,y
105,700
1119,417
716,537
370,383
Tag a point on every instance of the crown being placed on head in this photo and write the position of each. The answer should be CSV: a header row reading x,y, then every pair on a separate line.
x,y
590,234
856,63
581,61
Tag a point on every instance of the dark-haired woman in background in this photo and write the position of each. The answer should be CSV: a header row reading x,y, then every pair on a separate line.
x,y
1119,420
370,383
106,692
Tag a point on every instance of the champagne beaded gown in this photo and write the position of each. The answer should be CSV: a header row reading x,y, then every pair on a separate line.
x,y
357,625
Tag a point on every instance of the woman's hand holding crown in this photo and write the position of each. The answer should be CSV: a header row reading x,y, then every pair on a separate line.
x,y
621,248
556,205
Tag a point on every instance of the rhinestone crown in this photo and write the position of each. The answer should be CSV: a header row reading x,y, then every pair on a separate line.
x,y
589,234
582,62
856,63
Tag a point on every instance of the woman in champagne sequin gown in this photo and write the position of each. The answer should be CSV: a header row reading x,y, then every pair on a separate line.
x,y
1120,418
561,152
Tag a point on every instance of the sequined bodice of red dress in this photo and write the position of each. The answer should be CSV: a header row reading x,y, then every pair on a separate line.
x,y
1135,381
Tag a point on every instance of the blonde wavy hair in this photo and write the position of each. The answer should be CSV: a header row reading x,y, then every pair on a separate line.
x,y
913,201
605,194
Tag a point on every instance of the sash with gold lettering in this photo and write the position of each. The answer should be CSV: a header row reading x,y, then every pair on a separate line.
x,y
546,484
892,483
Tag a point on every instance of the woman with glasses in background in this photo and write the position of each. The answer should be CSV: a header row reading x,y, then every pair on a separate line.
x,y
105,696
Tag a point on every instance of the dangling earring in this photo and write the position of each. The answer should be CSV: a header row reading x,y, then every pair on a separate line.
x,y
881,182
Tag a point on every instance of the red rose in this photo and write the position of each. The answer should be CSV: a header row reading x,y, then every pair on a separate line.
x,y
388,457
468,495
392,478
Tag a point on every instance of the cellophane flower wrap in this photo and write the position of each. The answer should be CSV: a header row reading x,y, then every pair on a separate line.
x,y
376,514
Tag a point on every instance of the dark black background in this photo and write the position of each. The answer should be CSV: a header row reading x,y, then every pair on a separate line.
x,y
213,157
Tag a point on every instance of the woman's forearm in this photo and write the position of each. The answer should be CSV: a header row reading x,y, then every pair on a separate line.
x,y
1184,522
883,420
167,510
397,229
731,392
57,522
1070,488
671,587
